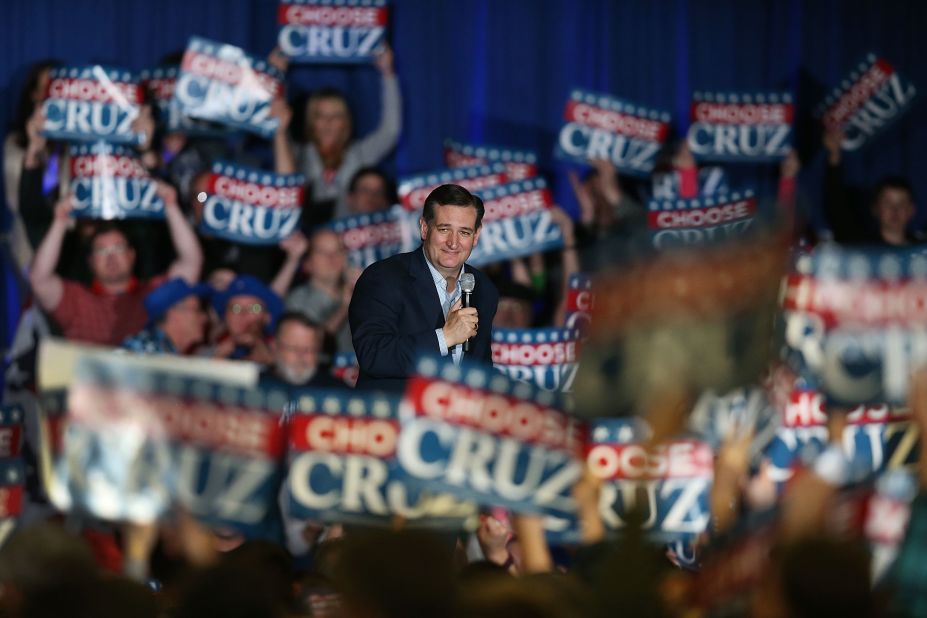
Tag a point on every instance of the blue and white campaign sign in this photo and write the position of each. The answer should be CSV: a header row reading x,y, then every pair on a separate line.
x,y
741,127
675,223
711,182
12,418
345,367
224,84
251,206
519,164
854,322
415,188
332,31
876,438
109,182
12,467
669,484
580,302
545,357
598,126
472,432
343,465
92,103
867,101
160,82
517,222
138,442
716,418
374,236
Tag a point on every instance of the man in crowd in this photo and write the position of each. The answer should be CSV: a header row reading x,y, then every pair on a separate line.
x,y
111,308
370,190
325,297
410,303
176,319
296,348
249,309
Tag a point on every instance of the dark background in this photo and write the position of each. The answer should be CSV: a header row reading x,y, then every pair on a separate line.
x,y
499,71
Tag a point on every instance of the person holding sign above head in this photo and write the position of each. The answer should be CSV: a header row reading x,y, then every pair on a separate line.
x,y
328,158
413,303
112,307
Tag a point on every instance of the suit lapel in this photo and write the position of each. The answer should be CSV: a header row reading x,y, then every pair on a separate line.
x,y
425,295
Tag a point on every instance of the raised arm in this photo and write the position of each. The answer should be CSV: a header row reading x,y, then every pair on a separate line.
x,y
46,285
294,246
378,144
189,255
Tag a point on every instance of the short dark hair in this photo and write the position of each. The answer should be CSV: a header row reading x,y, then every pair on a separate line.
x,y
106,227
452,195
893,182
389,187
299,318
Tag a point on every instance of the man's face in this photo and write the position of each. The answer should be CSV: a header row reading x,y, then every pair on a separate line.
x,y
894,209
111,258
369,195
327,258
246,316
329,121
450,237
186,321
296,352
513,313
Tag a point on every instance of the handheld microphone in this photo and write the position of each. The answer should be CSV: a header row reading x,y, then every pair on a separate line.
x,y
467,284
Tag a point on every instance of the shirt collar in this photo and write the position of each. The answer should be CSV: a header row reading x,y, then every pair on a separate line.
x,y
438,277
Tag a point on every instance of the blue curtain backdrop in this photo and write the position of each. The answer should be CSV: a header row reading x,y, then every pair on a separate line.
x,y
498,71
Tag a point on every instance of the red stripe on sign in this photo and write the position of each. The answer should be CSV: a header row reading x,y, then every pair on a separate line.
x,y
857,94
324,15
742,113
77,89
107,165
255,193
535,353
580,300
616,122
496,414
11,500
701,217
680,459
517,204
230,73
346,435
10,440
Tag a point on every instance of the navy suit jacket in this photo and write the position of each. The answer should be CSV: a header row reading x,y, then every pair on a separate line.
x,y
394,312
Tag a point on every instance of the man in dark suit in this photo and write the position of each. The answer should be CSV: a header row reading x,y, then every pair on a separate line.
x,y
410,304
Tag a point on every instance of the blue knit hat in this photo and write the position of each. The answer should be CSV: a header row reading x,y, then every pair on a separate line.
x,y
168,294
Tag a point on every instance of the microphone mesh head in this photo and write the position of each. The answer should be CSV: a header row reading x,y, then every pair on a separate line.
x,y
467,282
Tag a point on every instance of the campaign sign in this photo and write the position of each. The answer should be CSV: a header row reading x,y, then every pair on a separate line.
x,y
414,189
746,128
545,357
716,418
599,126
12,418
224,84
579,303
345,368
675,477
139,441
516,222
711,181
866,102
371,237
854,322
876,437
343,464
160,82
12,486
675,223
343,31
473,433
519,164
92,103
109,182
251,206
